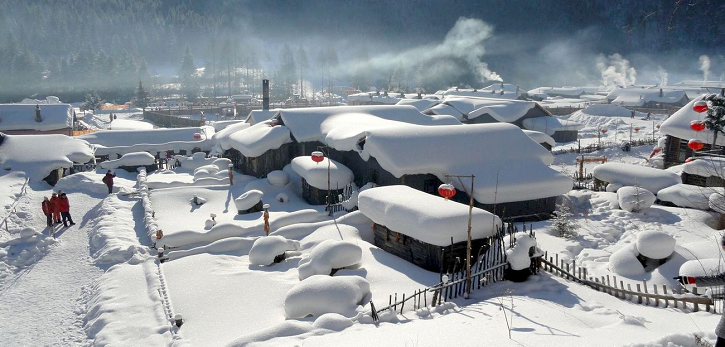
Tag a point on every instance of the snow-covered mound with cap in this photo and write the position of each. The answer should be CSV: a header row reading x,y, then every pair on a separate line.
x,y
248,199
266,249
655,244
328,255
635,199
322,294
519,256
635,175
129,159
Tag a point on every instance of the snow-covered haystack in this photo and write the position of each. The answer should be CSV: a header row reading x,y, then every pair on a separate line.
x,y
248,200
316,174
635,199
624,262
329,255
634,175
322,294
655,244
129,159
686,195
277,178
270,249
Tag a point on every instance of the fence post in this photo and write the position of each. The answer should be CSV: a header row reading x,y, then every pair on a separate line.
x,y
697,307
402,304
644,283
639,291
657,300
664,292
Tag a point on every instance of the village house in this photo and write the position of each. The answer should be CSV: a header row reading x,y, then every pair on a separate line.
x,y
678,132
33,119
648,97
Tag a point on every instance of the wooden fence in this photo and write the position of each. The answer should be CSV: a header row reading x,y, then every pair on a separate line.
x,y
13,206
642,293
603,145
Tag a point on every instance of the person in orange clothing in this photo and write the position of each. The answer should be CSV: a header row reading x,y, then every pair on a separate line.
x,y
47,211
65,210
55,208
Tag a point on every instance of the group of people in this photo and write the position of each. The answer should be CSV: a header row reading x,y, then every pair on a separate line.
x,y
57,209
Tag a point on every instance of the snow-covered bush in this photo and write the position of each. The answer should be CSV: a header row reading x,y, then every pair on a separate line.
x,y
266,249
329,255
635,199
248,199
655,244
322,294
562,223
624,262
278,178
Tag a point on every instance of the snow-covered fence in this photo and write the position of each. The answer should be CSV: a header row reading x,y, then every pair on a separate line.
x,y
604,144
12,208
642,293
342,197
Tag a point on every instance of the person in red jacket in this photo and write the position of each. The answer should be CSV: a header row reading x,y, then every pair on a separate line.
x,y
47,211
55,208
65,210
108,180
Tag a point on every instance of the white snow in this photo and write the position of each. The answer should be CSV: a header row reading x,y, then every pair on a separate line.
x,y
316,174
320,294
38,155
637,96
624,262
506,111
705,167
328,255
425,217
265,249
278,178
686,195
129,124
540,137
518,256
259,138
635,199
248,199
655,244
119,142
550,125
22,117
678,125
420,104
636,175
129,159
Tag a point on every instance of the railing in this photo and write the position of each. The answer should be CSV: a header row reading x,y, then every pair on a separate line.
x,y
13,206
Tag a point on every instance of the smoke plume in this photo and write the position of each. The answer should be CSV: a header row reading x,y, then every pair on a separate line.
x,y
705,66
663,76
616,71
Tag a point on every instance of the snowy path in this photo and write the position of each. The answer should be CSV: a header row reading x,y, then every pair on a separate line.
x,y
45,304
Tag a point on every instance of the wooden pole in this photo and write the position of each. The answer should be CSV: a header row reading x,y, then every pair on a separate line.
x,y
468,244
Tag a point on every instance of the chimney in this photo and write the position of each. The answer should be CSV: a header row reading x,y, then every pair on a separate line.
x,y
265,95
660,92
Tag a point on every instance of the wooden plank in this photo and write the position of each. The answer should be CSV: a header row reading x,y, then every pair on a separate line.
x,y
621,285
629,289
696,306
646,292
657,300
664,291
639,297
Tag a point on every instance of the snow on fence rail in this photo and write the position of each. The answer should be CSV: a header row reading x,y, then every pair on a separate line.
x,y
604,144
13,206
643,293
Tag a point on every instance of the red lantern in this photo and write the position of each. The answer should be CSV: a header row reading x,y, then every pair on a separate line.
x,y
636,129
695,145
197,137
700,107
697,125
318,156
604,131
447,191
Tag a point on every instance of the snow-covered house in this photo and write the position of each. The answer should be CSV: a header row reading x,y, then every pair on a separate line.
x,y
678,133
43,157
375,98
415,226
501,90
524,114
321,181
113,144
28,119
648,97
704,171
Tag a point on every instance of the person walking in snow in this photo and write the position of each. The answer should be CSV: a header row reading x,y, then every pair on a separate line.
x,y
108,180
65,210
47,211
710,281
55,208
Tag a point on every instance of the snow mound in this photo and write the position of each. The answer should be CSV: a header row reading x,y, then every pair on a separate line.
x,y
322,294
248,199
285,328
706,167
195,161
266,249
129,124
613,187
277,178
38,155
222,163
634,175
113,238
716,201
328,255
26,250
624,262
207,169
129,159
519,256
686,195
316,174
655,244
332,321
635,199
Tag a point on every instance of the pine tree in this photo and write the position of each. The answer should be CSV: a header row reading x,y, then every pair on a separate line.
x,y
142,96
715,118
562,222
187,77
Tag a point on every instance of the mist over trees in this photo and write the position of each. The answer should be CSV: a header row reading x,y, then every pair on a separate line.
x,y
72,48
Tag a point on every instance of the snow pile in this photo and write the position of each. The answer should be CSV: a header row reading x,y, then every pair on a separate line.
x,y
333,322
129,124
113,238
113,142
686,195
23,117
655,244
519,257
129,159
425,217
208,169
266,249
702,267
194,161
38,155
221,137
23,251
248,199
517,170
419,104
624,262
316,174
716,201
635,175
322,294
705,167
635,199
278,178
613,187
329,255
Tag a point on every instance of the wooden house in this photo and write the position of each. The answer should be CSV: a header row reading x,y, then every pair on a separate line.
x,y
678,132
35,119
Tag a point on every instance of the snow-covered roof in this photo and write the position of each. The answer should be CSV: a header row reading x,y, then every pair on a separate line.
x,y
423,216
606,110
38,155
221,137
640,96
510,91
420,104
561,91
22,117
508,165
316,173
129,159
445,109
151,140
390,99
506,111
636,175
550,125
678,125
129,124
257,116
540,137
705,167
259,138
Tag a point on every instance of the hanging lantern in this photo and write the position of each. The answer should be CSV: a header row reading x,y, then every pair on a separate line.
x,y
695,145
197,137
447,191
318,156
636,129
697,125
700,106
